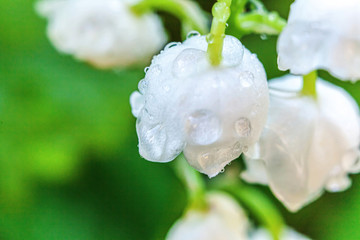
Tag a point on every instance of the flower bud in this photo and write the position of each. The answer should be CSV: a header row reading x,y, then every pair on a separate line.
x,y
213,114
308,145
104,33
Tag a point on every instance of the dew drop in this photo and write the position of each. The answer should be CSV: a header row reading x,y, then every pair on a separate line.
x,y
143,85
146,69
166,88
171,45
192,34
210,38
243,127
222,170
245,149
263,37
246,79
203,127
154,70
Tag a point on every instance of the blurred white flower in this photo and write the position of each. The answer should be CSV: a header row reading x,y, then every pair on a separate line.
x,y
105,33
213,114
308,144
322,34
224,220
287,234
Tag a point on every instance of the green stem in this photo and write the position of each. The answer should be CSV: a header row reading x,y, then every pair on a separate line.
x,y
193,182
260,206
309,84
221,13
189,12
258,20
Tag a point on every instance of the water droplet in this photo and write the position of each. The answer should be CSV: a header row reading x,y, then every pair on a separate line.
x,y
152,140
246,79
245,149
226,25
143,85
203,127
243,127
263,37
171,45
166,88
146,69
188,62
222,170
210,38
204,158
192,34
154,70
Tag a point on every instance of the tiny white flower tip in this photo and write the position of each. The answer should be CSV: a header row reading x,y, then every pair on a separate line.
x,y
212,114
322,34
287,234
106,33
224,220
308,145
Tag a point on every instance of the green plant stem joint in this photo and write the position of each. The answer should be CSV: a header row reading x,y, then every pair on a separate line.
x,y
257,20
189,13
215,39
309,84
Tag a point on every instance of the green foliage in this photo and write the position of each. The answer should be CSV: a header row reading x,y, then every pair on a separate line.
x,y
69,161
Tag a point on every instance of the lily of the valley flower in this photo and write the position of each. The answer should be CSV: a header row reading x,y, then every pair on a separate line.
x,y
213,114
308,145
322,34
104,33
287,234
223,220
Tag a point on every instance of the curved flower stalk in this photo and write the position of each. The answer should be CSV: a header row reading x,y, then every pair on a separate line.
x,y
211,113
223,220
322,34
308,145
104,33
287,234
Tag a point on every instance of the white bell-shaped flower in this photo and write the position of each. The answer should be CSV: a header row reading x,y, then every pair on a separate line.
x,y
287,234
322,34
308,145
223,220
104,33
213,114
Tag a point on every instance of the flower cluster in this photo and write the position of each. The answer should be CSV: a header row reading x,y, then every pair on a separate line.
x,y
208,97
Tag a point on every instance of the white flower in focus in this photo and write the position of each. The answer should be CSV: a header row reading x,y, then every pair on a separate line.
x,y
308,145
104,33
322,34
224,220
213,114
287,234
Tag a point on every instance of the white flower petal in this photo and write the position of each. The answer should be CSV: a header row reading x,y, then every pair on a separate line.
x,y
224,220
104,33
213,114
322,34
287,234
308,145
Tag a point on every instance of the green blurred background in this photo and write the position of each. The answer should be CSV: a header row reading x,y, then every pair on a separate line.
x,y
69,163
